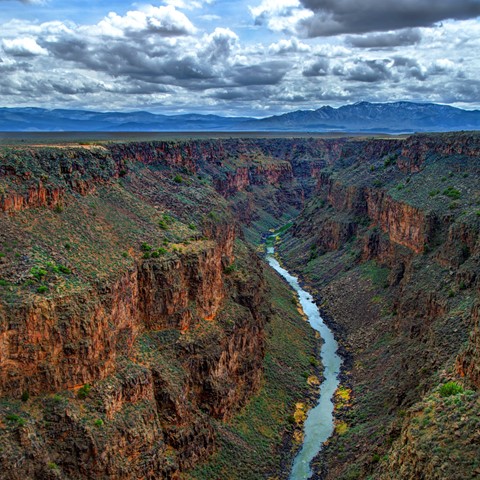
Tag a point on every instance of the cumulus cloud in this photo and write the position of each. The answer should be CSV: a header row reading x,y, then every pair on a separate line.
x,y
164,20
364,70
292,45
23,47
319,68
219,45
280,15
333,17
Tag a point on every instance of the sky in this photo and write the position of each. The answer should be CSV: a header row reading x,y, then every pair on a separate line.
x,y
228,57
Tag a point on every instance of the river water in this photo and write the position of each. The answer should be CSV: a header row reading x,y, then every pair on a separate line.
x,y
319,424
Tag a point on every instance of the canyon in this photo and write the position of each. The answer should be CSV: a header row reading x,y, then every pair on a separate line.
x,y
140,329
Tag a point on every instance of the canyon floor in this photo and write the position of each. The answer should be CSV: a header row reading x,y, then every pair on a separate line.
x,y
143,336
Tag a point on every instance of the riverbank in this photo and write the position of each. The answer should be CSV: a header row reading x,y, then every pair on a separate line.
x,y
319,424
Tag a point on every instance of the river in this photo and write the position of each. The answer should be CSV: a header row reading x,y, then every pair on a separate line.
x,y
319,424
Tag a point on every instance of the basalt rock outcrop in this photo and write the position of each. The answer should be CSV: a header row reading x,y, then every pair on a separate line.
x,y
121,369
132,311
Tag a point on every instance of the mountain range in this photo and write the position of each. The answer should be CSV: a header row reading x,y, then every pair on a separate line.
x,y
397,117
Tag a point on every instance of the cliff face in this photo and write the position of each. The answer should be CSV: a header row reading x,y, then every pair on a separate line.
x,y
126,329
392,246
468,362
40,177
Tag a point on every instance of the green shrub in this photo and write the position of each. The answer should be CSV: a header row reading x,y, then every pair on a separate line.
x,y
52,466
390,160
98,422
450,388
166,221
11,417
64,269
177,178
213,216
3,283
68,246
38,272
158,252
192,226
125,254
313,361
145,247
451,192
42,289
84,391
25,396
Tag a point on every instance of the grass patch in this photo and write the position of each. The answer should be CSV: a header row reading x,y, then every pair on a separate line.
x,y
450,388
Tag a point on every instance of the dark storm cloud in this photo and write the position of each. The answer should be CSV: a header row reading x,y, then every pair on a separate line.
x,y
67,88
410,67
402,38
333,17
368,71
233,94
267,73
120,58
318,68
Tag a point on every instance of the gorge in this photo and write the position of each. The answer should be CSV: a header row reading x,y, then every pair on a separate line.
x,y
142,335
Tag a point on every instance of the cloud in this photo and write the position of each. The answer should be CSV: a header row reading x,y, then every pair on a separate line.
x,y
319,68
280,15
266,73
334,17
164,20
370,71
23,47
219,44
190,5
292,45
158,58
410,68
409,36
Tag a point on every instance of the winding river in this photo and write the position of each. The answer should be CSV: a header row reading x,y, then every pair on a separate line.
x,y
319,424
